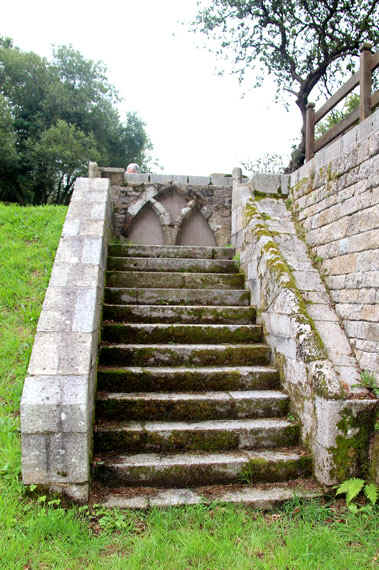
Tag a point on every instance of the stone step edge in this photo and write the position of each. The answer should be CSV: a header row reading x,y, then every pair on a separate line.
x,y
171,314
178,248
221,346
168,459
184,325
232,395
199,426
173,265
185,307
209,291
175,369
180,258
176,273
264,496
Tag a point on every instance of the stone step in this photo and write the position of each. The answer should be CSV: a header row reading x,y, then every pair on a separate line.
x,y
175,280
184,354
172,264
180,333
190,314
151,406
232,297
201,468
214,435
261,496
157,379
181,251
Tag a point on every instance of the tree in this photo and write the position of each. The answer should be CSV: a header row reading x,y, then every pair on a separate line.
x,y
8,152
301,43
70,97
265,163
58,158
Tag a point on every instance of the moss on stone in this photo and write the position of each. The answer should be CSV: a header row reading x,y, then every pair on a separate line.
x,y
260,469
299,184
331,176
277,263
258,195
350,455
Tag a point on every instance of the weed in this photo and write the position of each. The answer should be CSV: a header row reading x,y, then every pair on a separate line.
x,y
352,488
247,474
368,380
112,520
237,259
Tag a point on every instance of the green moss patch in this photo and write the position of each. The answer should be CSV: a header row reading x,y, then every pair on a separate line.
x,y
350,455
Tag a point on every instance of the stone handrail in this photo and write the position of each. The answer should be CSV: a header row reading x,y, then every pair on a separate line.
x,y
57,403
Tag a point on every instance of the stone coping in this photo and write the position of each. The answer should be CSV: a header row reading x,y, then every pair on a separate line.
x,y
216,179
57,403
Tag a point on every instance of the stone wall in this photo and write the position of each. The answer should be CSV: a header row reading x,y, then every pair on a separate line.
x,y
335,197
317,367
159,209
57,403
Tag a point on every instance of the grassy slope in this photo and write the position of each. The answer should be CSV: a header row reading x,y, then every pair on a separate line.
x,y
35,535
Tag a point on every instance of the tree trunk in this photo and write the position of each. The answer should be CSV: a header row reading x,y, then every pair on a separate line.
x,y
298,155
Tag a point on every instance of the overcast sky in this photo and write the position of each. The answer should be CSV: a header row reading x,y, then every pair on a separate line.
x,y
199,122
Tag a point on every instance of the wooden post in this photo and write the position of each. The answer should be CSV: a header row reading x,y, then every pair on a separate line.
x,y
365,82
310,132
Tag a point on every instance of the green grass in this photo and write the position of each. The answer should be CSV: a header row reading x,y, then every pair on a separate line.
x,y
37,533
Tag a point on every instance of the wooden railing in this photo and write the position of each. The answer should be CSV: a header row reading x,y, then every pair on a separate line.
x,y
369,61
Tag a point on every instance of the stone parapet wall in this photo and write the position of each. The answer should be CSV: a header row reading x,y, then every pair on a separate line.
x,y
57,403
317,367
170,209
120,176
335,198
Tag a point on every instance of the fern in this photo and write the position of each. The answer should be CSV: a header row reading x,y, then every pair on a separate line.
x,y
352,488
371,492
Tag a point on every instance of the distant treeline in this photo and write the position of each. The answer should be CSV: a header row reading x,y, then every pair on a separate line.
x,y
55,116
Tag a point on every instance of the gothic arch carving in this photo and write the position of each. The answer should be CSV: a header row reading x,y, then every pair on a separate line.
x,y
181,217
194,228
145,227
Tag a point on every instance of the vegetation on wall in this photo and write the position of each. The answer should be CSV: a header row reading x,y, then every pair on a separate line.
x,y
303,45
54,117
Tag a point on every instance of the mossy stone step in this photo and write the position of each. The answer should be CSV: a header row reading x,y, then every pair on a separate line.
x,y
179,314
184,354
172,264
181,251
179,379
183,406
214,435
175,280
180,333
201,468
260,496
160,296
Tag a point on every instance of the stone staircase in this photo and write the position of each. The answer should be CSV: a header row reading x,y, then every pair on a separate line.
x,y
188,407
